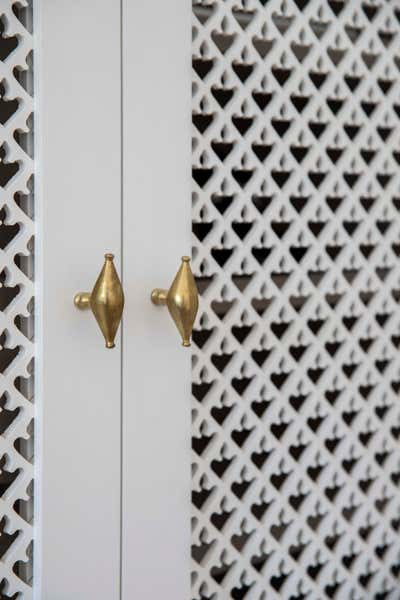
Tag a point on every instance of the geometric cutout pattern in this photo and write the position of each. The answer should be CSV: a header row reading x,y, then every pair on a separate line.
x,y
296,252
16,299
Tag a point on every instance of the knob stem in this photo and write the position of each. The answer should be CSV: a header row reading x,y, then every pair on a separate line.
x,y
159,297
82,300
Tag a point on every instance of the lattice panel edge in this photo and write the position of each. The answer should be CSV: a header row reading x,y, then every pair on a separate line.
x,y
16,299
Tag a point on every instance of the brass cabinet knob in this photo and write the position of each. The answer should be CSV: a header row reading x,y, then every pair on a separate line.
x,y
181,300
106,300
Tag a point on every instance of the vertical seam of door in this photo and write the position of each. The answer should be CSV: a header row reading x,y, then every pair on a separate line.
x,y
122,279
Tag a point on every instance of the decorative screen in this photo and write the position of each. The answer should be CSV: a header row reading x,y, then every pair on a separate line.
x,y
16,299
296,363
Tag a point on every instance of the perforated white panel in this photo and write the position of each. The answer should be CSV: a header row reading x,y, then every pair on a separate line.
x,y
296,367
16,299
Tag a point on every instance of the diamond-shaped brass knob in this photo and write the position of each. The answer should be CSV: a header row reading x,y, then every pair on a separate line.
x,y
106,300
181,300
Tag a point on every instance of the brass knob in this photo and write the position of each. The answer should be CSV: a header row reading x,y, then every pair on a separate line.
x,y
106,300
181,300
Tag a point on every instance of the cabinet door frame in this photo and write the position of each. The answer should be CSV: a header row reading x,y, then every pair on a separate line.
x,y
78,381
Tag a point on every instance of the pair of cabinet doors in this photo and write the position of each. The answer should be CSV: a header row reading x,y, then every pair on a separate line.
x,y
107,82
295,374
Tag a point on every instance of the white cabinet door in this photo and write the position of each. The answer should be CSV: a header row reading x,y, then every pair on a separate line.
x,y
156,233
78,165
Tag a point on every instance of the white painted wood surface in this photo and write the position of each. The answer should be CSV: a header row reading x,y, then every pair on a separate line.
x,y
78,194
156,368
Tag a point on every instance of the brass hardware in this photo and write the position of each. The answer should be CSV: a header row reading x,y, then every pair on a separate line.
x,y
181,300
106,300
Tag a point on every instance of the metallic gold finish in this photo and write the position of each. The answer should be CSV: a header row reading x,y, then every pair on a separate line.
x,y
106,300
181,300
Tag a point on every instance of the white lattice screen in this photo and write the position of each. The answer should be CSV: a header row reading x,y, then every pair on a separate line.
x,y
296,367
16,299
